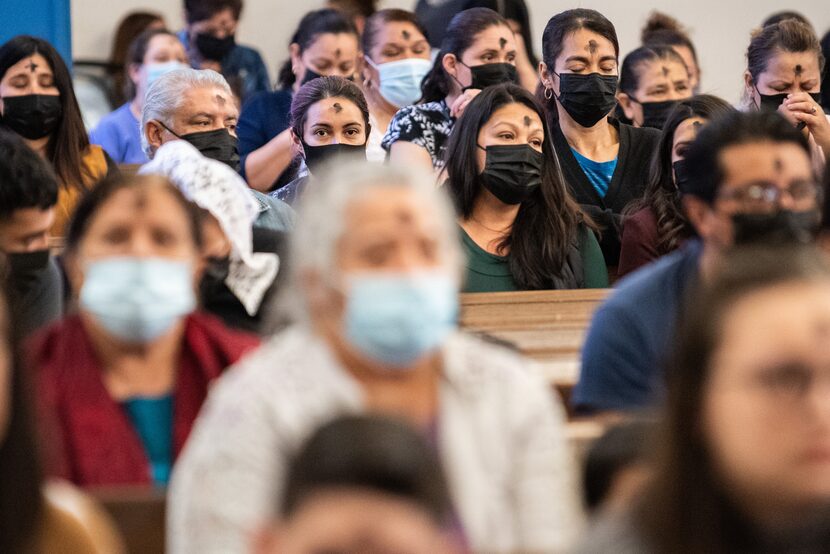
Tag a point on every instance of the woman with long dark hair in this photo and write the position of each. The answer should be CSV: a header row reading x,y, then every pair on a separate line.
x,y
520,227
38,103
479,50
32,517
602,160
654,225
743,460
325,43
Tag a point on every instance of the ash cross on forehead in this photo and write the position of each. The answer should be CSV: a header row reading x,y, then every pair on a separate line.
x,y
665,71
528,121
337,53
405,34
32,65
778,164
697,125
502,42
593,46
798,70
337,107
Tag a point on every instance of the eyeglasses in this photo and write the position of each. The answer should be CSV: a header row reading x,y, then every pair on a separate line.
x,y
791,382
762,196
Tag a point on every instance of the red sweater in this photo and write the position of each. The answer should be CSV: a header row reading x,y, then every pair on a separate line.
x,y
88,436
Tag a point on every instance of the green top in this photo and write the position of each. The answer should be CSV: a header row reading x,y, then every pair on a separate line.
x,y
487,272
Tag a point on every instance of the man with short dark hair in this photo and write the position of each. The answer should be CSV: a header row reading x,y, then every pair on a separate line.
x,y
28,194
210,41
750,180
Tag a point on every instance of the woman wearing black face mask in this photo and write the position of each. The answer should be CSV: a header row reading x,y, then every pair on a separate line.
x,y
329,120
654,225
520,227
784,64
325,43
603,161
37,102
652,81
210,41
478,51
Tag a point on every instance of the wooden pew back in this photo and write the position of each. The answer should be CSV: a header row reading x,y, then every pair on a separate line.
x,y
139,514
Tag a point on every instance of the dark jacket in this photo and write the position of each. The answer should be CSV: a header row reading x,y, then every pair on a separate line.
x,y
637,145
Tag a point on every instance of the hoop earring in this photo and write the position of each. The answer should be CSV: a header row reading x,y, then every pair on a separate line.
x,y
548,93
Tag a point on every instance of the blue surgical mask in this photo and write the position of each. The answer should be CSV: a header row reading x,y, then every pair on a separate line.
x,y
398,318
156,70
400,81
138,299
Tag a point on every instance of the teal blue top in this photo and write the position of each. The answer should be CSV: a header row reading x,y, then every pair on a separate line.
x,y
152,418
599,173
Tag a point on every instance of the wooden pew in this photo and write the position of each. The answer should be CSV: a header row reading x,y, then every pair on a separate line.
x,y
546,326
139,514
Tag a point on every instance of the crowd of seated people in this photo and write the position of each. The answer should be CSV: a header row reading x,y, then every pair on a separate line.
x,y
248,296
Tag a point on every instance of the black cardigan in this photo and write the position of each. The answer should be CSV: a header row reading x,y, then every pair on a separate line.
x,y
637,146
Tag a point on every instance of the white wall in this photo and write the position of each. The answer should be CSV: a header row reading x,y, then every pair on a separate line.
x,y
720,28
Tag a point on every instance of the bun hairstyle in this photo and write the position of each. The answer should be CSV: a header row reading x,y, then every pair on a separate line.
x,y
664,30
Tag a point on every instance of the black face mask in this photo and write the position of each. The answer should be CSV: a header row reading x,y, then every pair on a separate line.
x,y
771,102
217,145
214,276
778,228
490,74
587,98
25,268
212,48
656,113
317,156
512,172
681,175
32,116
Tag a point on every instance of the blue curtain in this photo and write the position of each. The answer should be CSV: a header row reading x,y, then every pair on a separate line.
x,y
47,19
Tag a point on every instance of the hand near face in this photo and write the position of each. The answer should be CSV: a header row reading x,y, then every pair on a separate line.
x,y
461,103
799,107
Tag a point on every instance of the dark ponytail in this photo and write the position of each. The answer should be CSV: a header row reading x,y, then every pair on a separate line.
x,y
461,33
312,25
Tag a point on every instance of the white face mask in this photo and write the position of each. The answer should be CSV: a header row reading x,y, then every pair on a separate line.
x,y
400,81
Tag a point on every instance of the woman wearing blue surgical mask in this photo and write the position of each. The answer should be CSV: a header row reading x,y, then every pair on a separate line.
x,y
325,43
373,304
121,381
152,54
478,51
783,74
603,161
37,102
396,58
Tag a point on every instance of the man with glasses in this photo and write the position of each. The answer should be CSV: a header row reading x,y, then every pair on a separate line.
x,y
750,181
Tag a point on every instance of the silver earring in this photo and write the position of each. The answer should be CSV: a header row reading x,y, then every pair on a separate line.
x,y
548,93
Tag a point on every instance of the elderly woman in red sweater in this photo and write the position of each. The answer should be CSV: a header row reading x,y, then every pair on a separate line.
x,y
121,382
